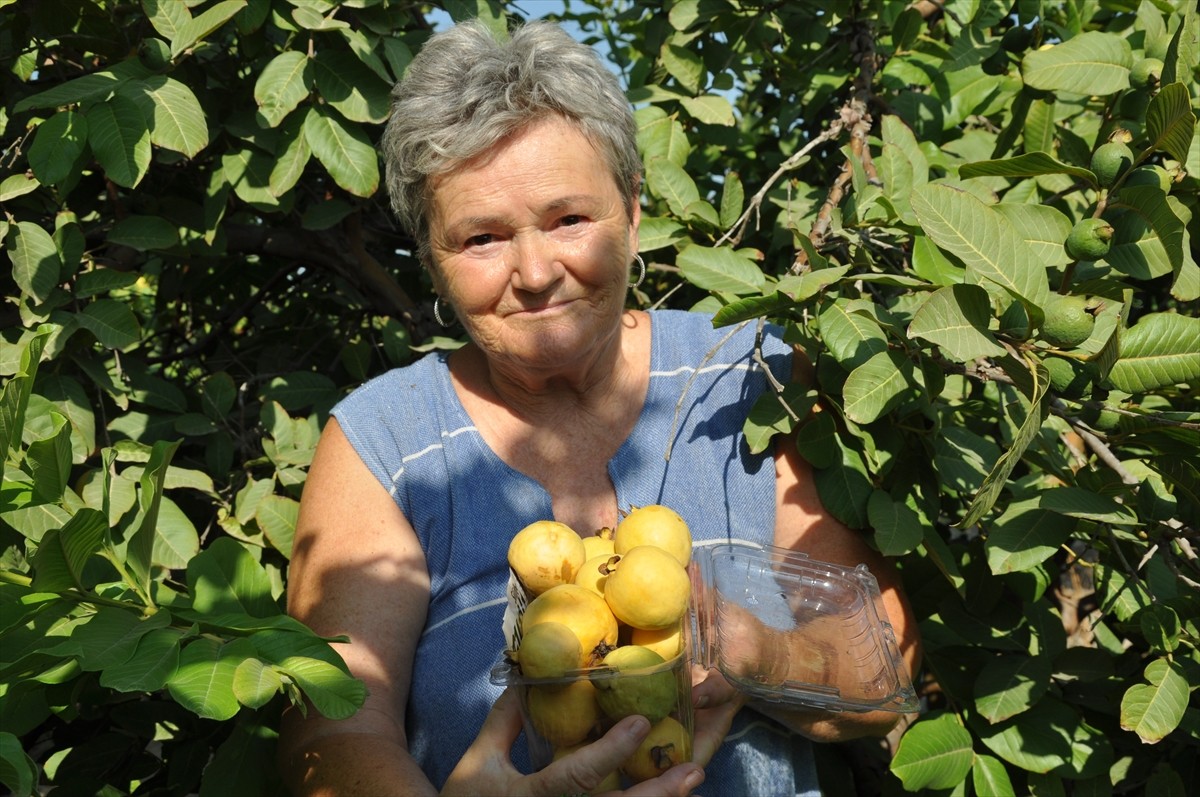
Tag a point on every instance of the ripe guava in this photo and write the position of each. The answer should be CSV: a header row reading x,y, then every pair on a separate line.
x,y
544,554
1068,321
548,650
655,525
581,610
652,694
599,543
1110,160
594,573
666,642
1090,239
564,715
667,744
648,588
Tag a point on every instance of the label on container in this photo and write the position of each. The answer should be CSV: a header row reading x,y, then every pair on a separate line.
x,y
517,601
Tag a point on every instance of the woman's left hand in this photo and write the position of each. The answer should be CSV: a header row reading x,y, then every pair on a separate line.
x,y
486,767
715,702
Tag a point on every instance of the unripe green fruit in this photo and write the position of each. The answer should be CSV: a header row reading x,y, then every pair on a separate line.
x,y
1090,239
1069,378
1110,161
1017,39
996,63
1146,73
1068,322
154,54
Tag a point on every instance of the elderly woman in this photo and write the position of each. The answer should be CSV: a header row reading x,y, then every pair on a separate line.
x,y
513,164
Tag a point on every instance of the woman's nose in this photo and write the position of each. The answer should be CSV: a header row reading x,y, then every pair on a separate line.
x,y
537,266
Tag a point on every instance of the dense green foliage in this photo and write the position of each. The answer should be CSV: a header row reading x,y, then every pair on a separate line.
x,y
203,263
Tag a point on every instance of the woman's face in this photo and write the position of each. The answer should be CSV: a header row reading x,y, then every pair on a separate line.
x,y
532,248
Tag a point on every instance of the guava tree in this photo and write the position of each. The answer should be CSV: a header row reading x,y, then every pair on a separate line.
x,y
975,217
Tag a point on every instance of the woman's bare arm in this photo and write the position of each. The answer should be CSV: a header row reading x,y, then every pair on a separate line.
x,y
357,570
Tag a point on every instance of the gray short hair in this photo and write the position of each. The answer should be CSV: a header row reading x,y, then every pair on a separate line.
x,y
466,91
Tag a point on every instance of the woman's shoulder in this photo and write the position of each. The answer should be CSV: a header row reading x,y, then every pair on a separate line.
x,y
691,333
395,386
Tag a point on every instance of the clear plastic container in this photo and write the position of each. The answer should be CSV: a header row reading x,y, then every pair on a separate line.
x,y
788,629
561,713
776,624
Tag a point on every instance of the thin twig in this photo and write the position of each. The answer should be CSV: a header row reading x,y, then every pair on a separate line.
x,y
683,394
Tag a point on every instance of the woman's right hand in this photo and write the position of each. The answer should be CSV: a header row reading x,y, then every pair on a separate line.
x,y
486,767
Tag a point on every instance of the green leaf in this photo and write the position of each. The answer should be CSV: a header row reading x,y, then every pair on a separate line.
x,y
111,637
120,139
332,692
711,109
112,322
997,478
1159,351
289,167
1149,234
152,663
17,770
956,319
989,776
660,136
60,141
720,269
1030,164
177,122
224,578
985,240
282,85
876,386
1024,537
1154,709
1043,227
167,17
199,27
49,459
299,389
248,171
203,681
898,528
1079,502
59,562
1011,683
669,181
845,488
733,197
175,539
144,233
351,87
344,150
1092,63
276,516
851,337
934,753
684,65
95,86
1161,627
802,287
36,267
255,683
140,550
1170,122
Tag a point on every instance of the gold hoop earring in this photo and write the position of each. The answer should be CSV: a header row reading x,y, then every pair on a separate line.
x,y
437,313
641,272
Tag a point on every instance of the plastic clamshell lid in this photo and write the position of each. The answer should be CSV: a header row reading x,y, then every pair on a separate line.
x,y
786,628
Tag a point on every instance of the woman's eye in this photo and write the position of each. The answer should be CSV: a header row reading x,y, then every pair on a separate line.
x,y
569,221
480,240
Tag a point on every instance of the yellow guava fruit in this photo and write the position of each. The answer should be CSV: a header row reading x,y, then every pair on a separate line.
x,y
667,744
611,782
653,694
648,588
666,642
599,543
654,525
548,650
594,572
581,610
565,715
544,554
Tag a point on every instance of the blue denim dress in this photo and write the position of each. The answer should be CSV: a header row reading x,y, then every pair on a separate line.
x,y
465,504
